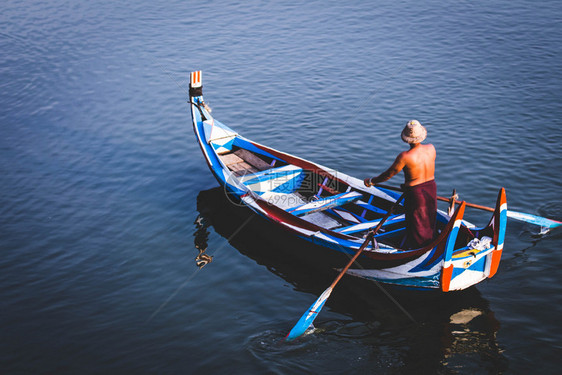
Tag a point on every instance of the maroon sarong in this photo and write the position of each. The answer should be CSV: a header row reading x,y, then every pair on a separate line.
x,y
420,203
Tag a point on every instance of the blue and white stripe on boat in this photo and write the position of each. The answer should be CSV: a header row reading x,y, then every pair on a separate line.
x,y
369,224
325,203
215,130
284,179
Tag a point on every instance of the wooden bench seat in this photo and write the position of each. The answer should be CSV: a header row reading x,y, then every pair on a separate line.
x,y
252,159
237,165
242,162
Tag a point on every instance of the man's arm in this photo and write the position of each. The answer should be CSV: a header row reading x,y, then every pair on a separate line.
x,y
396,167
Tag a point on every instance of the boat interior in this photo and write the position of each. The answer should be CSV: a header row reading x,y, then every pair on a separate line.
x,y
317,197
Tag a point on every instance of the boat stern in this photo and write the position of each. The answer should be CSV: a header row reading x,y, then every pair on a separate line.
x,y
499,224
467,265
448,272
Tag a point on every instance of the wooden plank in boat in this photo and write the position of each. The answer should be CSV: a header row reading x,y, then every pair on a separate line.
x,y
243,172
252,159
240,169
230,159
237,165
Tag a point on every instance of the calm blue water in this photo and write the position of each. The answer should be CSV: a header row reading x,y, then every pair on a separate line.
x,y
102,182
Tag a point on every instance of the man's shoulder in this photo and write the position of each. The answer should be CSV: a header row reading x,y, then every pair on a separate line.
x,y
429,147
403,154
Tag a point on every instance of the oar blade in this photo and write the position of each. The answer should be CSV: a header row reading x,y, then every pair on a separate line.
x,y
306,320
533,219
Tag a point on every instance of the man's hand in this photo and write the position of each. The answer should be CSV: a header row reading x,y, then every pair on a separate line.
x,y
367,182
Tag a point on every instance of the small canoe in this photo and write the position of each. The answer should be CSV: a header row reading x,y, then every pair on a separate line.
x,y
335,211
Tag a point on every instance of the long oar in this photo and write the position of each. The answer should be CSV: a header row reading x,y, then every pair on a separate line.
x,y
521,216
306,320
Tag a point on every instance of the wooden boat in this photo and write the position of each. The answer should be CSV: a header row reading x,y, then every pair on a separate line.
x,y
335,211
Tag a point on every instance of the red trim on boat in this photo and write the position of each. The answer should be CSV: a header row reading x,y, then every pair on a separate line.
x,y
446,275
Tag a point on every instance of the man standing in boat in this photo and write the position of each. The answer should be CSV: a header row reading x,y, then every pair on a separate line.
x,y
420,201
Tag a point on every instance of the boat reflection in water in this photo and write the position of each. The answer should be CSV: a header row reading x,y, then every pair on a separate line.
x,y
431,331
201,235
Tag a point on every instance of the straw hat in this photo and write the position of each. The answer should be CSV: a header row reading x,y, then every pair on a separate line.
x,y
414,132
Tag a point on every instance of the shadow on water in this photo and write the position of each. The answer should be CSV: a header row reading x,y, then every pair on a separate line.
x,y
413,330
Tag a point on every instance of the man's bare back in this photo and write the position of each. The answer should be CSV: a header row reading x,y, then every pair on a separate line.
x,y
420,190
418,163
